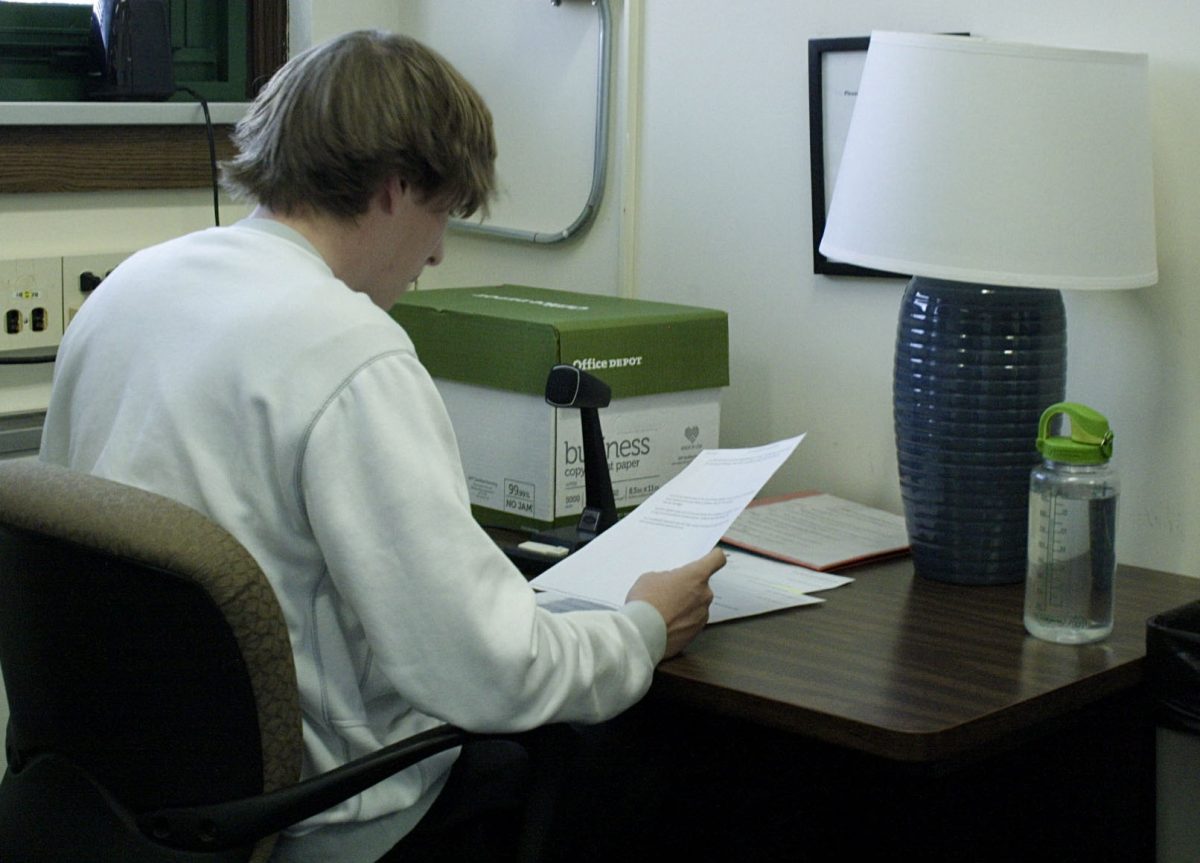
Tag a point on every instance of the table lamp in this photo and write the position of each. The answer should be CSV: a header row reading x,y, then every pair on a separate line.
x,y
995,174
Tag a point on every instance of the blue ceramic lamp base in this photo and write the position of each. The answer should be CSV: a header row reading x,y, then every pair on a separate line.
x,y
975,367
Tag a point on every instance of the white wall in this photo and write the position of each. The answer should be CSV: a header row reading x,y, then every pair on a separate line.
x,y
721,218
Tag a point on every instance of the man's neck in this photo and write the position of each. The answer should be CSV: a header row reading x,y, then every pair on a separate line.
x,y
338,242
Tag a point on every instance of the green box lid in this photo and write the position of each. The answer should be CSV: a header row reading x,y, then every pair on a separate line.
x,y
509,336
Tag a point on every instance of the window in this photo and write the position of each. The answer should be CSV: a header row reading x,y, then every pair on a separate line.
x,y
44,48
73,158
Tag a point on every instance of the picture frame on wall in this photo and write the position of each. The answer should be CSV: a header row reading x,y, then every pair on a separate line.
x,y
835,66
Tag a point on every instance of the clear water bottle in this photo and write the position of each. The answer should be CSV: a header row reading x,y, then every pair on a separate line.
x,y
1072,530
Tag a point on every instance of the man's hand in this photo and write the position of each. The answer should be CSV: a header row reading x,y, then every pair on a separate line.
x,y
682,597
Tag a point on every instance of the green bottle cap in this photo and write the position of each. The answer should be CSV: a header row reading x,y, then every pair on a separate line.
x,y
1091,440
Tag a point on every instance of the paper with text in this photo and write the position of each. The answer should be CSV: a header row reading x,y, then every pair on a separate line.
x,y
818,530
747,585
680,522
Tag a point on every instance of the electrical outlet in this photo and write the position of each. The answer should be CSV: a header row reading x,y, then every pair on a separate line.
x,y
82,274
30,303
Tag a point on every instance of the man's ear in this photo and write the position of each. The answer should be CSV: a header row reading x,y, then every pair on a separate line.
x,y
391,193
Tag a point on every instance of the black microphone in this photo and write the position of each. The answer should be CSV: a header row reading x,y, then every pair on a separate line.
x,y
569,387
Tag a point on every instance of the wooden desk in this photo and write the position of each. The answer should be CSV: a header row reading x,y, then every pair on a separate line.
x,y
907,714
914,670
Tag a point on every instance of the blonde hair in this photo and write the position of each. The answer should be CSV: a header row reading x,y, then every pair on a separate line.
x,y
342,118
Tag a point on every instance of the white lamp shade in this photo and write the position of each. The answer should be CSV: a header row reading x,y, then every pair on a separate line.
x,y
997,163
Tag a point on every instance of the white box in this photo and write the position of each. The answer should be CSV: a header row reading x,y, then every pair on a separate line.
x,y
490,350
530,466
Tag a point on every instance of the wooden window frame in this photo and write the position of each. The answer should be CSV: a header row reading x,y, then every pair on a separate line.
x,y
105,158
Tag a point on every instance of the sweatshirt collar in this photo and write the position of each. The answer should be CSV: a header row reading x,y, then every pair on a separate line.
x,y
278,229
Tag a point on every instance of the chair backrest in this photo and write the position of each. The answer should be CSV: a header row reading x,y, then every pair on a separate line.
x,y
141,646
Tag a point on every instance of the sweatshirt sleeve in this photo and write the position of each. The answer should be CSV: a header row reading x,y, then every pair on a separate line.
x,y
451,623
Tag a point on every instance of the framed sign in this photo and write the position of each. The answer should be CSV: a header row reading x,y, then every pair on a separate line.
x,y
835,67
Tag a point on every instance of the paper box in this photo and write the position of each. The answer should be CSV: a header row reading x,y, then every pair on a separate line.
x,y
490,350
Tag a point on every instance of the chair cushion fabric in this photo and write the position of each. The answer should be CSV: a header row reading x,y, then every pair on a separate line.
x,y
146,528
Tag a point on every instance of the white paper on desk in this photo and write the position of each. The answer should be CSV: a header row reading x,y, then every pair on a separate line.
x,y
680,522
749,584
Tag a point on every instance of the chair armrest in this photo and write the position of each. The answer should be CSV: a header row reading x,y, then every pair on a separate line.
x,y
237,823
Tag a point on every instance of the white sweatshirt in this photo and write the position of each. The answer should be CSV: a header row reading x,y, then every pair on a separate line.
x,y
231,371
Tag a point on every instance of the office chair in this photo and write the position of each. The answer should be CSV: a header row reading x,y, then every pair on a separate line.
x,y
153,699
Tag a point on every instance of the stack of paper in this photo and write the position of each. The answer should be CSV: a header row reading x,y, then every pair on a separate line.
x,y
680,522
819,531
